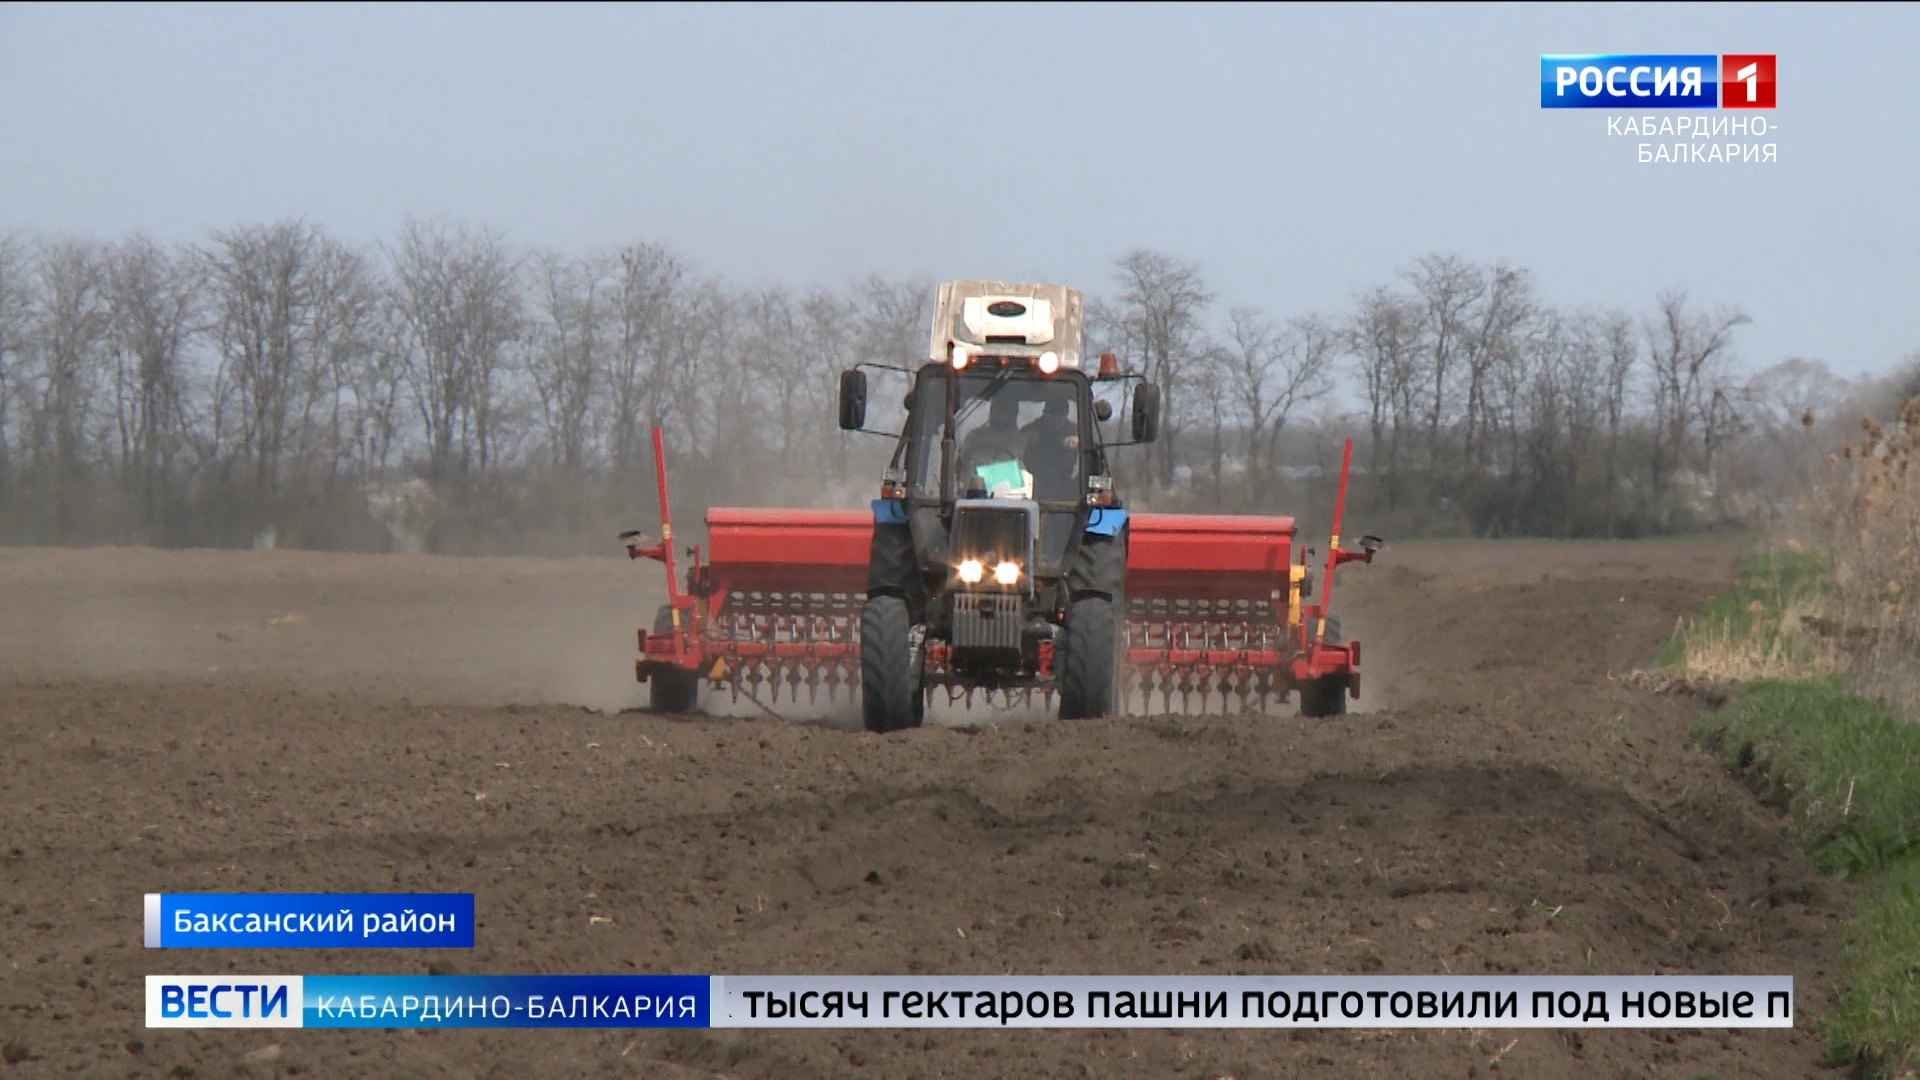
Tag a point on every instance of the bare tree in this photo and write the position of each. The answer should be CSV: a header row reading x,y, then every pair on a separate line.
x,y
458,292
16,292
342,334
766,340
648,284
1448,287
379,379
73,324
1272,372
1384,338
1583,374
1209,383
1786,392
891,321
894,318
1691,356
261,295
704,390
154,298
565,352
1622,360
1162,303
1501,311
826,346
1794,406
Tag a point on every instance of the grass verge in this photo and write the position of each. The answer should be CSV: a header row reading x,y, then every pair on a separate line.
x,y
1845,770
1752,629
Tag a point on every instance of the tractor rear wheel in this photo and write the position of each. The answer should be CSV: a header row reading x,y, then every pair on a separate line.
x,y
1326,695
1089,663
890,684
670,690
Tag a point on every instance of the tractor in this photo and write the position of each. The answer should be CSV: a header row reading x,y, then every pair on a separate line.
x,y
999,561
998,553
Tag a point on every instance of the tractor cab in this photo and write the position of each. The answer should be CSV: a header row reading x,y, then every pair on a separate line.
x,y
1017,437
1003,409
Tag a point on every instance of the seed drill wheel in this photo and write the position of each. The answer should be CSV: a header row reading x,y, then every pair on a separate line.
x,y
890,683
670,690
1327,695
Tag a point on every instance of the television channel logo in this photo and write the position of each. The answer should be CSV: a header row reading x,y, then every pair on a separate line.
x,y
1657,81
1746,81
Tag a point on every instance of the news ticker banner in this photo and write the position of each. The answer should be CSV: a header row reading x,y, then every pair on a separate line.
x,y
703,1001
309,920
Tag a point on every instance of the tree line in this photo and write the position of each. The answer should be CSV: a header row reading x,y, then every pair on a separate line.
x,y
450,389
1478,407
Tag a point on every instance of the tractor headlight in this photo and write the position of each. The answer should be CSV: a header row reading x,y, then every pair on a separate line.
x,y
971,571
1007,573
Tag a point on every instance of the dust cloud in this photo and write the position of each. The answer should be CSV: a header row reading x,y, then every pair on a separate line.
x,y
458,630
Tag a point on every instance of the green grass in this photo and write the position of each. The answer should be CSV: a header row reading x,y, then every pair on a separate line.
x,y
1851,770
1879,1010
1847,772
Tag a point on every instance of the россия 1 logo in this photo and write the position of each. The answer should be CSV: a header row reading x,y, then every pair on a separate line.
x,y
1746,80
1657,81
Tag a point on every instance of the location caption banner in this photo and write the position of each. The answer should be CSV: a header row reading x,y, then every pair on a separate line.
x,y
309,920
701,1001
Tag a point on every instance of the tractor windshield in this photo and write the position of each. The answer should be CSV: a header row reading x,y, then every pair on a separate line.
x,y
1016,437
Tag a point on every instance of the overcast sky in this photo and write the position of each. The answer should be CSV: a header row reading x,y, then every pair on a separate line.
x,y
1298,153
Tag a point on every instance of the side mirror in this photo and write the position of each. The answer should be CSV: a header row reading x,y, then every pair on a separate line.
x,y
1146,413
1103,409
853,400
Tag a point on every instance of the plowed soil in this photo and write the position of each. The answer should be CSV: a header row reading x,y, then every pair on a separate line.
x,y
235,721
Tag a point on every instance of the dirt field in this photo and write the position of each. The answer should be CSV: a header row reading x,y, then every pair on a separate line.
x,y
285,721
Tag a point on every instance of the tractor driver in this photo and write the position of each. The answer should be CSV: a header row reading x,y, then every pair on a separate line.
x,y
999,439
1055,429
1053,447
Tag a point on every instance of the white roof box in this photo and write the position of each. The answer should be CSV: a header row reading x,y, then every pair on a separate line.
x,y
994,318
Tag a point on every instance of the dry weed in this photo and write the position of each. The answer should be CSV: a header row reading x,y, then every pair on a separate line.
x,y
1773,646
1870,503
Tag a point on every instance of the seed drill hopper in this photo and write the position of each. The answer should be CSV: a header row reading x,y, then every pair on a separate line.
x,y
998,563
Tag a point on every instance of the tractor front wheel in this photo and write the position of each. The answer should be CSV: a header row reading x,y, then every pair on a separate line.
x,y
1089,664
890,683
669,689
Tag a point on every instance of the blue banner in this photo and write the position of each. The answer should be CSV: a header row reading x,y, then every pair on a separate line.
x,y
968,1001
1627,81
309,920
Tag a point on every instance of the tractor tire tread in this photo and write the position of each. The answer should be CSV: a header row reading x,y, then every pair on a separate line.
x,y
1099,568
1089,661
890,692
893,569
